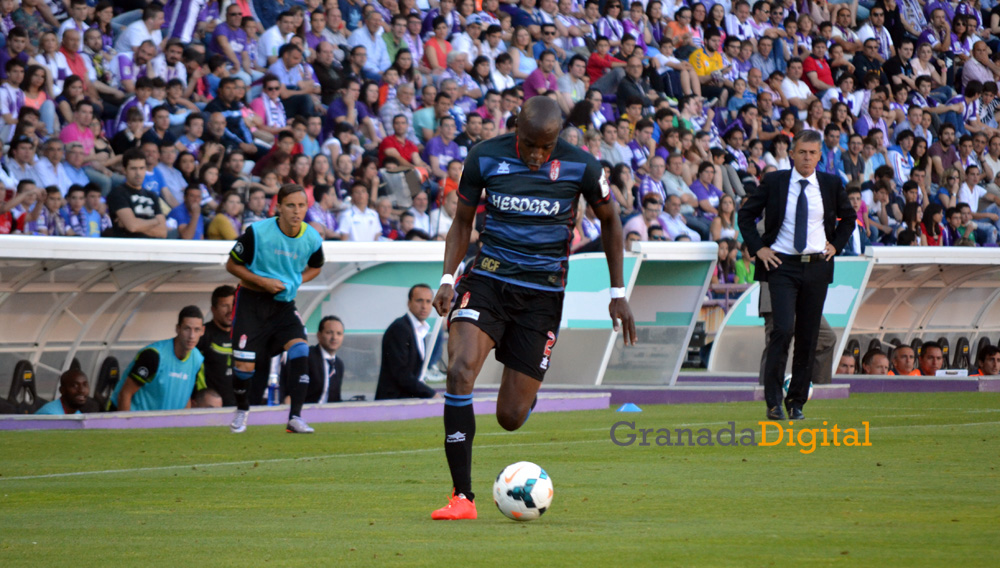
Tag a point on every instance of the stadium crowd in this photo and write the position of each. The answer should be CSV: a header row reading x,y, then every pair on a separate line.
x,y
134,119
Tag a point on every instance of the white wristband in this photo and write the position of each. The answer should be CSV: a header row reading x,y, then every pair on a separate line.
x,y
617,293
447,279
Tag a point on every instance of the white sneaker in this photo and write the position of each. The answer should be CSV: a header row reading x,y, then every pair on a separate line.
x,y
434,375
298,426
239,423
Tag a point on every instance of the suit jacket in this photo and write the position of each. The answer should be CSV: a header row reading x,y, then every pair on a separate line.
x,y
399,376
770,200
317,375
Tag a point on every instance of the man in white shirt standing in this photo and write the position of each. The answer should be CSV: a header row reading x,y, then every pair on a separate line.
x,y
148,28
794,255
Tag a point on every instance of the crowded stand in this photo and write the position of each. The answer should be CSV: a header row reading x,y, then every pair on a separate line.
x,y
135,119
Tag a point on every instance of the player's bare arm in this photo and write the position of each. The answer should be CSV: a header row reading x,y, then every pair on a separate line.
x,y
611,237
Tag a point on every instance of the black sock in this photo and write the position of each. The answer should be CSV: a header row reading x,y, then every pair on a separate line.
x,y
241,382
459,430
298,376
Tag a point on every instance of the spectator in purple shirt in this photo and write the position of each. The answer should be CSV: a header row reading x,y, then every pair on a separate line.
x,y
321,215
442,149
708,195
17,42
348,109
543,79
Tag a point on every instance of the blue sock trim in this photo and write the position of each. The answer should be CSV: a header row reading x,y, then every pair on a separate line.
x,y
457,399
298,350
243,375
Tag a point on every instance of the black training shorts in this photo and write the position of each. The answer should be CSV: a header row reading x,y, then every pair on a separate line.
x,y
262,326
522,322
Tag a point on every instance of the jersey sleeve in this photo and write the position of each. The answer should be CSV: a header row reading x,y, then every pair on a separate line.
x,y
147,362
595,187
242,253
317,259
472,183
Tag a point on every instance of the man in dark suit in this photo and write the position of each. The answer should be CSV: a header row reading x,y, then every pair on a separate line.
x,y
403,350
326,369
802,234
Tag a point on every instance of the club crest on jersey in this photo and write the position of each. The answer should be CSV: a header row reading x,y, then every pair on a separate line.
x,y
243,341
554,170
465,300
503,168
605,188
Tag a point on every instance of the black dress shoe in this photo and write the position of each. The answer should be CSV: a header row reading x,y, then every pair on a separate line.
x,y
775,413
795,413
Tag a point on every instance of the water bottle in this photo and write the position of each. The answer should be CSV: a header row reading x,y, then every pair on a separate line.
x,y
272,390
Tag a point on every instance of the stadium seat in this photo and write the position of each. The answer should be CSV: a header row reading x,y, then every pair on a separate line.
x,y
960,358
918,345
872,345
854,348
945,350
983,343
74,365
896,341
107,380
23,394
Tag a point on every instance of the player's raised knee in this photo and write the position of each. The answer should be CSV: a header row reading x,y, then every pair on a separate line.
x,y
510,419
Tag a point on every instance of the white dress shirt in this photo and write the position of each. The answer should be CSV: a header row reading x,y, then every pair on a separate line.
x,y
420,329
328,367
816,234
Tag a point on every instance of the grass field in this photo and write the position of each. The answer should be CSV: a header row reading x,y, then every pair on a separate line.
x,y
925,493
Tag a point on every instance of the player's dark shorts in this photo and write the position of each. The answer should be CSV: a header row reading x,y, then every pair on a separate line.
x,y
262,326
522,322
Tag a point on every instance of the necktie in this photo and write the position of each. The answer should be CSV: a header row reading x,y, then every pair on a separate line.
x,y
802,217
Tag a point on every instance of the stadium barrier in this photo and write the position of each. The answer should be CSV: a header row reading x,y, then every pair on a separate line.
x,y
891,296
64,299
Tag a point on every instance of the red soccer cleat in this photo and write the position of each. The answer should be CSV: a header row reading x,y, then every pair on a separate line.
x,y
458,507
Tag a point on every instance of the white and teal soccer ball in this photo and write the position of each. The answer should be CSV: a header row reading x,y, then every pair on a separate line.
x,y
788,381
523,491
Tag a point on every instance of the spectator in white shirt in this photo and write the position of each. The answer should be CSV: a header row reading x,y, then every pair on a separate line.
x,y
276,36
359,223
370,37
148,28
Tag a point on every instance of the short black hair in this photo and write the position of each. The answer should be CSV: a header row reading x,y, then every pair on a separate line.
x,y
409,295
326,319
221,292
190,312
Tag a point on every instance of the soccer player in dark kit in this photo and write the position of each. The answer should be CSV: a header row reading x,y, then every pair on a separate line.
x,y
272,259
512,297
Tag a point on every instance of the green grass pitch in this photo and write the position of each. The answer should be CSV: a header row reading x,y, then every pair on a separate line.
x,y
926,493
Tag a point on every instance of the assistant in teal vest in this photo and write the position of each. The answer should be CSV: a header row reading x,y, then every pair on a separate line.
x,y
167,382
269,252
54,407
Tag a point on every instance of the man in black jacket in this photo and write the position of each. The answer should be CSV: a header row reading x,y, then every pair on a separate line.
x,y
403,350
326,368
807,221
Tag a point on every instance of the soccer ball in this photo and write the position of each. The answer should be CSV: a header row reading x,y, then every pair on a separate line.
x,y
523,491
788,381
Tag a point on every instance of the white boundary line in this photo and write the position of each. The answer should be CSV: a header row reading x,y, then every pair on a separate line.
x,y
280,460
417,451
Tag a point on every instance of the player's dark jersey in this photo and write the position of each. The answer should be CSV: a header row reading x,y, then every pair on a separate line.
x,y
529,215
216,345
